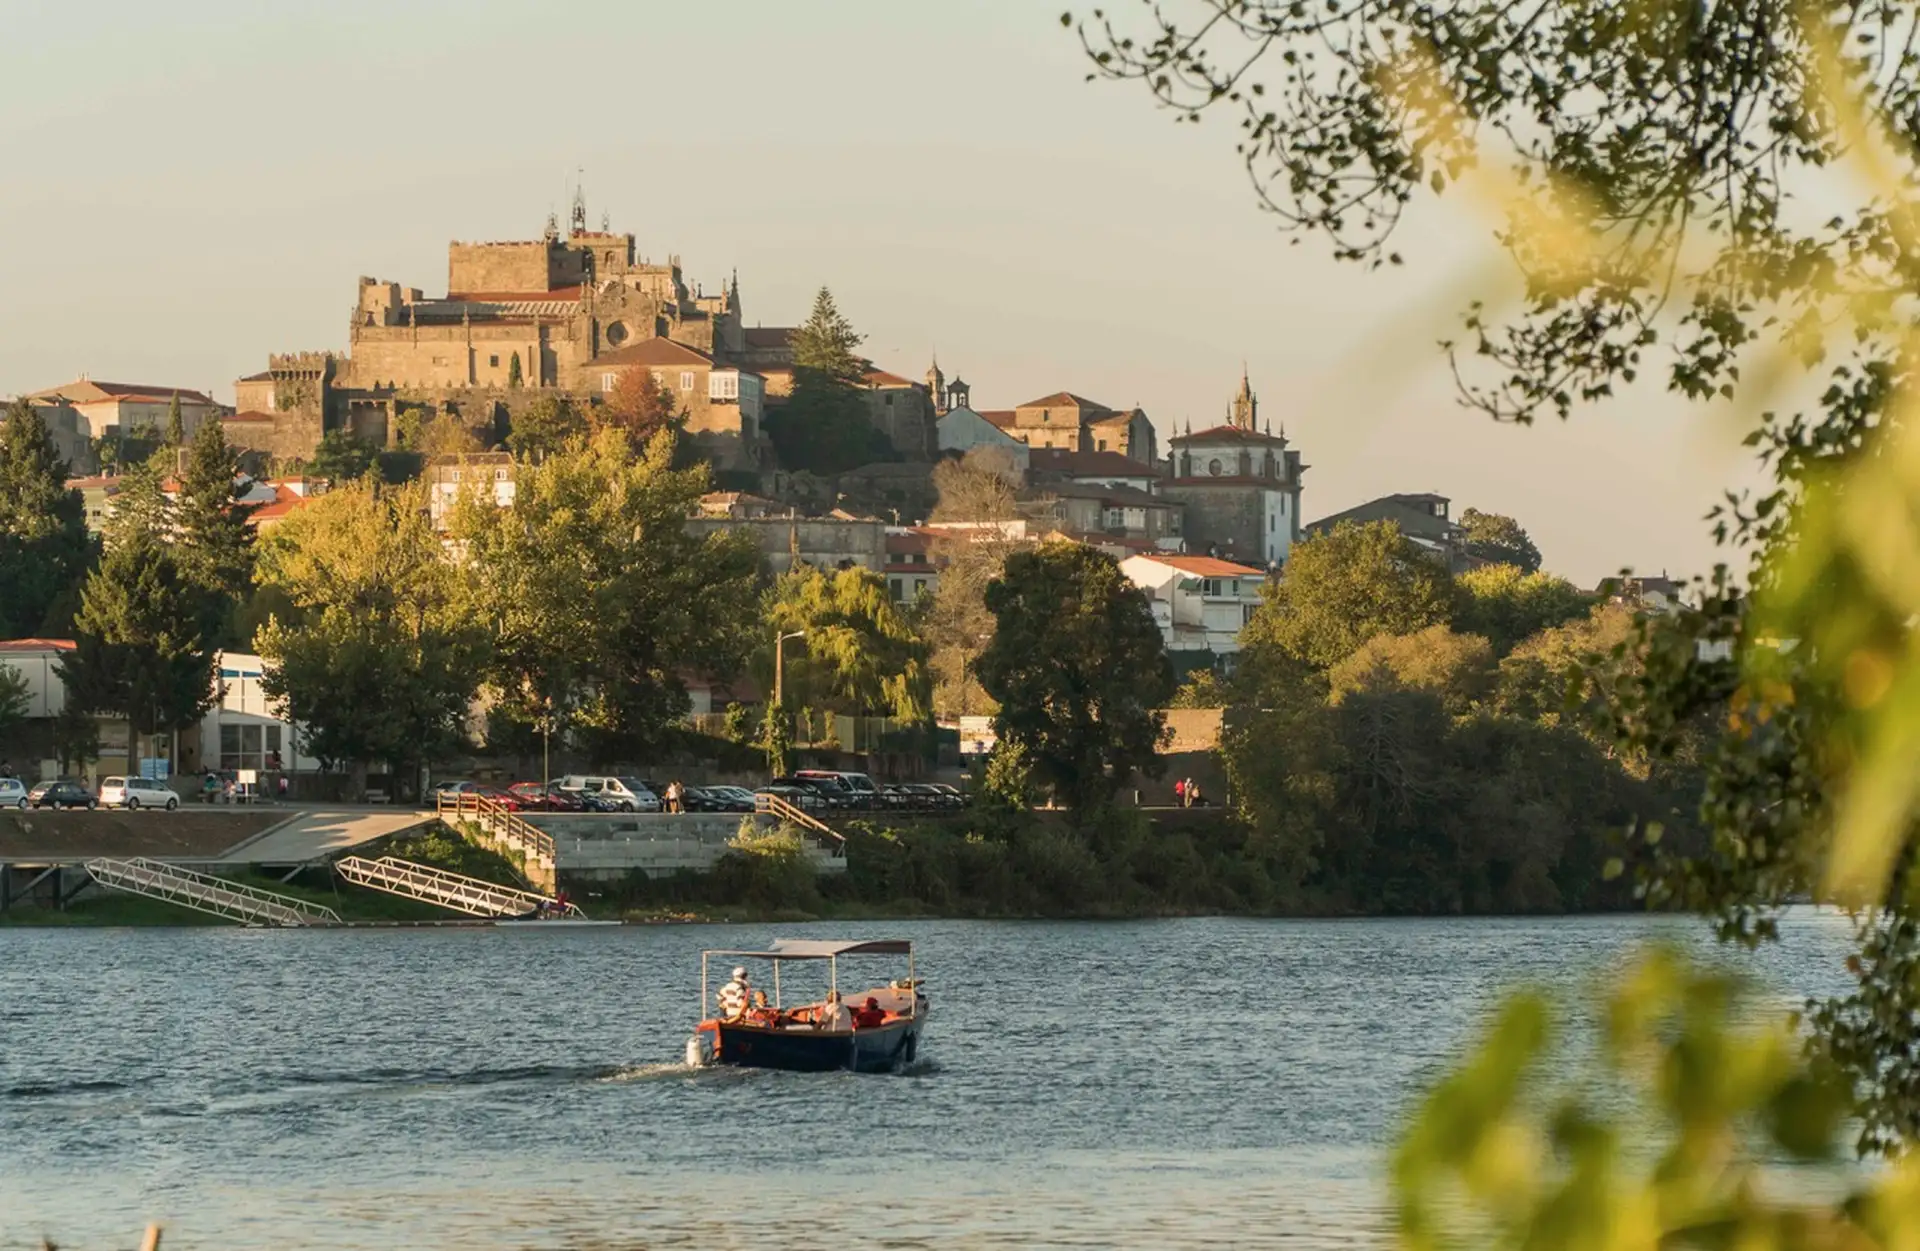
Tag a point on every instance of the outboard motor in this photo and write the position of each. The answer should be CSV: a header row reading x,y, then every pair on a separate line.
x,y
699,1050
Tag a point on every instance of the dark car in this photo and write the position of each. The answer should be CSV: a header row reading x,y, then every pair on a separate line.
x,y
804,798
533,796
833,793
559,800
719,799
62,794
951,797
590,801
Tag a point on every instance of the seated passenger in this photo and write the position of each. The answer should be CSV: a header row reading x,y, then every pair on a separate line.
x,y
833,1013
868,1015
735,996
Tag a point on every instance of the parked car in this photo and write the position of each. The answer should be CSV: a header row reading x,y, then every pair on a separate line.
x,y
134,792
625,794
13,793
830,788
719,799
858,788
559,800
506,799
61,794
534,795
804,798
953,796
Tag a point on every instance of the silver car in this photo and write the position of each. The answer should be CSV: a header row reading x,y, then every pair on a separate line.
x,y
133,792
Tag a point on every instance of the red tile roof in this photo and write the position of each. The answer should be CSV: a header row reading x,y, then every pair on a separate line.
x,y
556,296
653,352
1227,434
249,415
76,392
1089,464
1066,399
97,480
881,378
36,645
285,500
1208,567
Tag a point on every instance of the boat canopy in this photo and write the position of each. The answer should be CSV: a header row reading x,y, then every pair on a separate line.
x,y
824,949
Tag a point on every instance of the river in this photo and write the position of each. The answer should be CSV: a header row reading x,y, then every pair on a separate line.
x,y
1161,1084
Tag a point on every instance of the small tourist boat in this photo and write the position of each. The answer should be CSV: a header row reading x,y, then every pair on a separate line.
x,y
769,1035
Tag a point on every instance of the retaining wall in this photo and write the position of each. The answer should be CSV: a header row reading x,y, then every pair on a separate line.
x,y
605,846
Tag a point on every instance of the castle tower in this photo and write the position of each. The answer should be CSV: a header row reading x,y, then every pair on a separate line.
x,y
1245,405
937,387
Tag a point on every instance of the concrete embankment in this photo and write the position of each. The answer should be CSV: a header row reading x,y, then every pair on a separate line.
x,y
608,847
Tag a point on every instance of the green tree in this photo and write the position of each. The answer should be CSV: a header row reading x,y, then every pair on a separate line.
x,y
825,426
1344,587
212,531
343,457
376,655
548,425
862,655
1504,604
176,425
1457,668
76,738
1078,668
514,378
978,491
44,546
140,646
1499,539
598,599
14,702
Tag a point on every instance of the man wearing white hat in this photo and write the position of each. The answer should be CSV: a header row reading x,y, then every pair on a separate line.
x,y
735,996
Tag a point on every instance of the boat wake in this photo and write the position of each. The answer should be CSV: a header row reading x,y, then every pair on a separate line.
x,y
53,1090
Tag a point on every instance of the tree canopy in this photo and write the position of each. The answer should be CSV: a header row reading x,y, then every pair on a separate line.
x,y
1505,605
343,457
598,600
1499,539
1343,587
375,656
825,426
44,545
1078,668
641,405
210,529
861,656
547,425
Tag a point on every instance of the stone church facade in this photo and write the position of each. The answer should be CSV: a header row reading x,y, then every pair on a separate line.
x,y
526,319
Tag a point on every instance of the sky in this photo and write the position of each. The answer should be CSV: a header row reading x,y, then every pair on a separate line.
x,y
196,184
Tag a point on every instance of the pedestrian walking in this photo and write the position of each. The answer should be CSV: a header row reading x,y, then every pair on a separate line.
x,y
1179,792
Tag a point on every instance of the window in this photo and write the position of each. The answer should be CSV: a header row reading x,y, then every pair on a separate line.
x,y
723,386
1246,613
493,361
1102,445
893,588
249,746
887,399
617,333
686,381
607,381
1210,587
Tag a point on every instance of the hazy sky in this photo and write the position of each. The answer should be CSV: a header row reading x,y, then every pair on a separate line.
x,y
193,185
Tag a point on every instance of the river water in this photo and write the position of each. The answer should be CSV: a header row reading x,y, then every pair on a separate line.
x,y
1160,1084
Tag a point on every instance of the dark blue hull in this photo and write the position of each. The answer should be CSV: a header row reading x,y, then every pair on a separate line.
x,y
881,1050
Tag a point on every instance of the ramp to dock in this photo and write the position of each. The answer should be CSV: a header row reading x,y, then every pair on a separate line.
x,y
470,895
203,892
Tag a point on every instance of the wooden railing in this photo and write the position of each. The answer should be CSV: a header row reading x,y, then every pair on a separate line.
x,y
773,806
506,826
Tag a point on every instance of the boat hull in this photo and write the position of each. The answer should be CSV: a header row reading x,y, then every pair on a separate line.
x,y
884,1049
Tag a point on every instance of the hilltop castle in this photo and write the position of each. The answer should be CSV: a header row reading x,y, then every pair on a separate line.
x,y
557,314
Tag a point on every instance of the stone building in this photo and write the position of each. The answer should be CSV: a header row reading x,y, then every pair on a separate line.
x,y
83,410
1423,520
1073,423
724,404
1240,486
520,319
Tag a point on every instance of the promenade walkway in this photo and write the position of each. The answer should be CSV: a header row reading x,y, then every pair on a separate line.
x,y
312,833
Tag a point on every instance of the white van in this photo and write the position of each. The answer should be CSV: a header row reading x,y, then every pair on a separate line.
x,y
131,792
626,794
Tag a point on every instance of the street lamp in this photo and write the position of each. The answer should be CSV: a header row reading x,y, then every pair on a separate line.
x,y
779,684
546,747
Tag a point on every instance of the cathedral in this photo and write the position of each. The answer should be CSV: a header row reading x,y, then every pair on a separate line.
x,y
524,319
1240,485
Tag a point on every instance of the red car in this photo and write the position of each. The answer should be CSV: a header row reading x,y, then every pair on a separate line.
x,y
545,798
512,801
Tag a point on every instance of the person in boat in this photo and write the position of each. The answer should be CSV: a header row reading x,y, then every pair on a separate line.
x,y
736,996
868,1015
833,1013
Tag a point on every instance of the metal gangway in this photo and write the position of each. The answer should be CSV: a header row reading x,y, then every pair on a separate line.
x,y
465,894
203,892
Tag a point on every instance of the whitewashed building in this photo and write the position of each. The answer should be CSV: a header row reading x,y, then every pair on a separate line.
x,y
1200,604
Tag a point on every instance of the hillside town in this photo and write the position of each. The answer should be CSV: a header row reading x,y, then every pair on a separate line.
x,y
807,454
